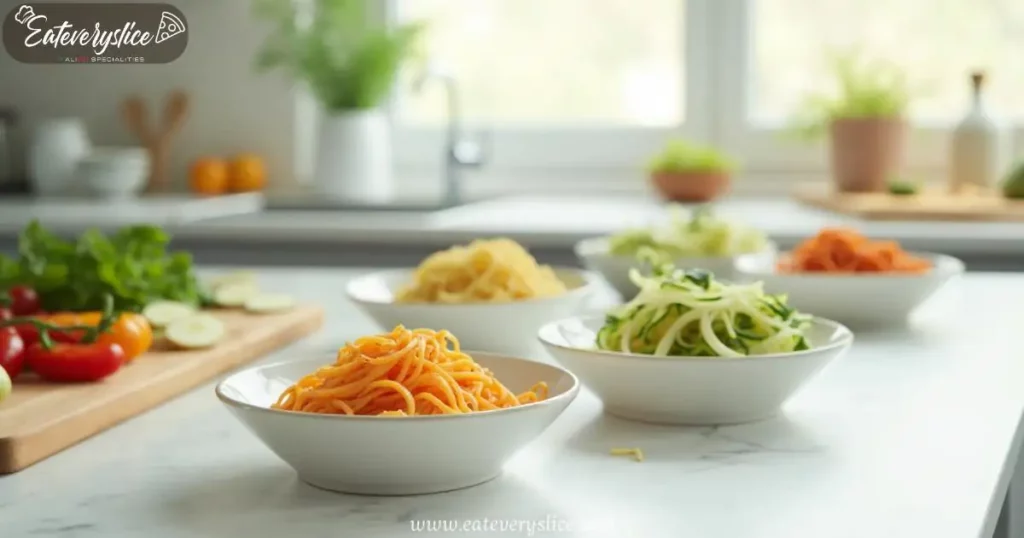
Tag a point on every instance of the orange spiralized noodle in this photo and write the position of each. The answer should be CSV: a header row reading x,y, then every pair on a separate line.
x,y
842,250
403,373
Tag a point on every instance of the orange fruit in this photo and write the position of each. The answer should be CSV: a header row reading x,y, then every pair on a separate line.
x,y
247,173
209,175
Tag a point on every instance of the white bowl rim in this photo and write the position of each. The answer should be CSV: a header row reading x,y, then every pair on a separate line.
x,y
568,394
589,278
598,246
943,265
845,339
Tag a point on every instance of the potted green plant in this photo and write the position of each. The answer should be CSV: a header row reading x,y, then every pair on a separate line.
x,y
687,172
864,119
349,62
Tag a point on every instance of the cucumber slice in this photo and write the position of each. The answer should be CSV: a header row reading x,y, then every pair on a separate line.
x,y
195,332
235,277
234,294
266,303
6,387
162,313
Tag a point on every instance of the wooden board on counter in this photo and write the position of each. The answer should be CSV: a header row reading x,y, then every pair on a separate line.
x,y
929,205
40,419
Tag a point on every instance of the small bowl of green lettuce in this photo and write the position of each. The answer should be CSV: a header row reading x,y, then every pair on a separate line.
x,y
690,349
699,240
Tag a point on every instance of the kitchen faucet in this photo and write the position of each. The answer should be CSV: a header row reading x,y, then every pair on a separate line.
x,y
459,152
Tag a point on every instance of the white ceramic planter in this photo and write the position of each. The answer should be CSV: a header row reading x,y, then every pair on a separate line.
x,y
353,160
56,149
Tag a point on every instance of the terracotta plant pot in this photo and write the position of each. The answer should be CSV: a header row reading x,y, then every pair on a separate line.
x,y
866,152
696,186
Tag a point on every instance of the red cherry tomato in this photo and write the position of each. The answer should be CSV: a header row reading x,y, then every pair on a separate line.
x,y
12,351
5,313
30,333
75,362
24,301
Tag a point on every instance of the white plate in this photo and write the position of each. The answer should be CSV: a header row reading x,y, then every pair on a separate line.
x,y
594,254
691,390
499,327
865,299
396,455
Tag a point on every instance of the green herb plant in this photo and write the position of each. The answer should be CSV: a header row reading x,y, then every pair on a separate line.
x,y
865,88
348,62
132,267
680,156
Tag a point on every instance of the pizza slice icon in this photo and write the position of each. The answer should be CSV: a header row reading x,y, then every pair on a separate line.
x,y
170,26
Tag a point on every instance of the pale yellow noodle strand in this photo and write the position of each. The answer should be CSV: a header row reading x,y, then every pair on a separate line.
x,y
496,270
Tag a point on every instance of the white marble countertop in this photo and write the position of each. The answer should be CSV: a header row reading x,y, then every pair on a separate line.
x,y
913,433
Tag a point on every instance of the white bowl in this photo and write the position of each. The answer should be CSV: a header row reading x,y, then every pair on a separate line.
x,y
615,269
691,390
500,327
857,299
114,172
396,455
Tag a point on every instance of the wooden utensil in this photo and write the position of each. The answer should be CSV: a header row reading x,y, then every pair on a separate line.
x,y
157,139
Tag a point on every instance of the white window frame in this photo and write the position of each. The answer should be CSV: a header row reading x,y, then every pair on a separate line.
x,y
718,39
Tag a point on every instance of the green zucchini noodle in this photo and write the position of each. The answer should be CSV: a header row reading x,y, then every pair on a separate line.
x,y
687,313
699,235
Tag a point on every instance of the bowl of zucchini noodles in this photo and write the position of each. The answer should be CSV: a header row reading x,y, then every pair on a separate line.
x,y
690,349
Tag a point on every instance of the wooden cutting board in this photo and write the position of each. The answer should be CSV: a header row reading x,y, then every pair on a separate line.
x,y
40,419
929,205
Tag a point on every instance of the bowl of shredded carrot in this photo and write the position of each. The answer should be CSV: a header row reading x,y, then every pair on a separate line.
x,y
399,413
843,275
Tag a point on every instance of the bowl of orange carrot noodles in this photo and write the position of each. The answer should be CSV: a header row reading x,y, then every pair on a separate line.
x,y
403,412
841,274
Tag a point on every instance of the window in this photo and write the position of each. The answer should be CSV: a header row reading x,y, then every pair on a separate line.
x,y
566,85
938,42
555,63
585,85
785,46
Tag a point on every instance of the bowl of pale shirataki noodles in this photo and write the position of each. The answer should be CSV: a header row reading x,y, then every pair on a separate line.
x,y
492,293
403,412
689,349
696,241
